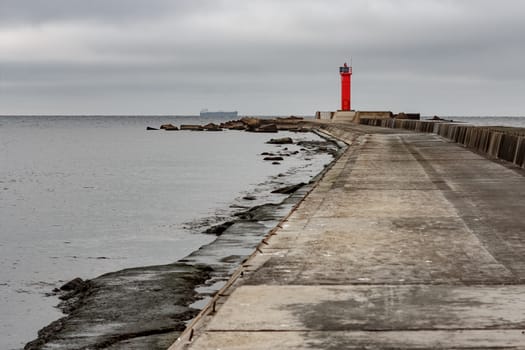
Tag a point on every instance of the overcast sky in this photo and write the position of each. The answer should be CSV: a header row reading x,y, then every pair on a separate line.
x,y
262,57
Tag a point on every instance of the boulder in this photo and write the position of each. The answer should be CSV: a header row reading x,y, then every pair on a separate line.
x,y
233,125
265,128
150,128
273,158
281,141
251,122
191,127
212,127
238,127
169,127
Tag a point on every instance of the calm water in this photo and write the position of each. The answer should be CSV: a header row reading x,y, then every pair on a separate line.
x,y
492,121
81,196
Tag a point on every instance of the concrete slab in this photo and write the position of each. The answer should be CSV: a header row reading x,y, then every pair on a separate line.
x,y
395,251
371,308
389,203
498,339
408,242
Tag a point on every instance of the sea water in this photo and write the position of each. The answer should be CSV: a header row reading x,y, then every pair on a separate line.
x,y
82,196
518,122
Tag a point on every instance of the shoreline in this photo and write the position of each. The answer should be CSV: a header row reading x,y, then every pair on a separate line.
x,y
180,288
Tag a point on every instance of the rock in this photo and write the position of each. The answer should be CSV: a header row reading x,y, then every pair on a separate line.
x,y
191,127
299,130
273,158
251,122
441,119
289,189
212,127
169,127
312,145
292,117
219,229
238,127
267,154
233,125
75,284
281,141
150,128
276,163
265,128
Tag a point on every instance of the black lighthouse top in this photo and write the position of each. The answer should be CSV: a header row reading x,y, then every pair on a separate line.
x,y
344,69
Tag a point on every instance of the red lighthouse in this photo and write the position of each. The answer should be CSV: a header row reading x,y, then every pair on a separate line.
x,y
346,83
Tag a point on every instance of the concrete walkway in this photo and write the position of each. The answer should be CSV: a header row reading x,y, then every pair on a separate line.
x,y
408,242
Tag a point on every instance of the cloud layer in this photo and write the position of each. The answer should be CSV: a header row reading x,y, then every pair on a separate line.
x,y
461,57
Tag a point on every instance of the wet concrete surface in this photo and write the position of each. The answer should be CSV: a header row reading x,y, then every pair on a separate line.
x,y
408,242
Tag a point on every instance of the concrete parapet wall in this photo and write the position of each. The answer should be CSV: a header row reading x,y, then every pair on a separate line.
x,y
407,124
324,115
375,114
378,115
344,115
504,143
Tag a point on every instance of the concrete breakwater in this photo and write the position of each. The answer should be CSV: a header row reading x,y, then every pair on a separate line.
x,y
407,242
504,143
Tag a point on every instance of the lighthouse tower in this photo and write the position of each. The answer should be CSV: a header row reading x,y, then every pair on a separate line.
x,y
346,85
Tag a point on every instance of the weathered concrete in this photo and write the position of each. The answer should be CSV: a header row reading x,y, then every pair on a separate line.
x,y
498,142
408,242
344,116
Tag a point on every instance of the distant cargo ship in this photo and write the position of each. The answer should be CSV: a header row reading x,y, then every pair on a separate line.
x,y
206,113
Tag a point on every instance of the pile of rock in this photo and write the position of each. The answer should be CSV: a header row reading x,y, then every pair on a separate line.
x,y
168,127
191,127
251,124
276,158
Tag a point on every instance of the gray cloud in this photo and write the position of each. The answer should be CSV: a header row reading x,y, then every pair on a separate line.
x,y
260,57
40,12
